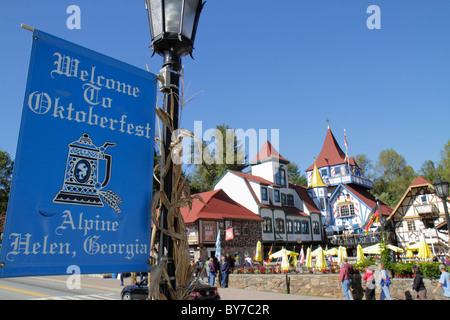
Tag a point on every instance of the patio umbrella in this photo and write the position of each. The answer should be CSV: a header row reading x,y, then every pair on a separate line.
x,y
331,252
279,254
320,259
308,258
258,256
424,249
375,249
342,253
284,261
360,254
409,253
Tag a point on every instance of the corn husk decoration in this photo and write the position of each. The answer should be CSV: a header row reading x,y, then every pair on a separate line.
x,y
176,229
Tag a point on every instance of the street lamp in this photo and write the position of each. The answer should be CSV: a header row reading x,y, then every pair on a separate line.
x,y
173,25
441,188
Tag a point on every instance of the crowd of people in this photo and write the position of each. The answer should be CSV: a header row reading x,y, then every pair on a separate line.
x,y
346,278
215,268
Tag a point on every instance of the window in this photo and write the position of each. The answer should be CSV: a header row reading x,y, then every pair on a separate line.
x,y
289,226
264,195
411,225
316,228
305,227
283,199
209,231
280,177
322,203
276,195
290,200
297,227
424,199
245,228
267,225
279,225
346,210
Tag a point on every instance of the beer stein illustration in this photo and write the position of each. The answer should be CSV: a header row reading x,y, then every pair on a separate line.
x,y
81,182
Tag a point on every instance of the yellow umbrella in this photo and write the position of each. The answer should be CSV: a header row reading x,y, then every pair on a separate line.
x,y
375,249
279,254
424,249
360,254
409,253
258,256
342,253
320,259
331,252
284,261
308,258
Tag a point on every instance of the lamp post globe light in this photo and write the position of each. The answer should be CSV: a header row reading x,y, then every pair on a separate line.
x,y
173,25
441,189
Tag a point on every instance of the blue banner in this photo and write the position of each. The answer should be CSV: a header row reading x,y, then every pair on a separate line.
x,y
83,173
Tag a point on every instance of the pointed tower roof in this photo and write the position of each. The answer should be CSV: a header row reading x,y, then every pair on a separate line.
x,y
316,179
331,153
267,153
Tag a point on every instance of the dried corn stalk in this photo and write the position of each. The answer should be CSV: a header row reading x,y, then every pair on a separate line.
x,y
180,197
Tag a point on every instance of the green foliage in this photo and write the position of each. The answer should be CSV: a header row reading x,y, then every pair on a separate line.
x,y
6,170
430,270
295,176
216,159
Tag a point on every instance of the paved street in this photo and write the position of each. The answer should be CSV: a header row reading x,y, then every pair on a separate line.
x,y
97,288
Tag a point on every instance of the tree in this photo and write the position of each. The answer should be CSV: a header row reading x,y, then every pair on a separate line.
x,y
216,159
294,175
444,164
365,164
393,177
6,170
428,171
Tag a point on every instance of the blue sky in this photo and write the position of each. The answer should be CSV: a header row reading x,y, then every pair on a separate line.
x,y
287,65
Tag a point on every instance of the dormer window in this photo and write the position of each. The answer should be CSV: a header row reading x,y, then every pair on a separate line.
x,y
276,194
264,195
280,177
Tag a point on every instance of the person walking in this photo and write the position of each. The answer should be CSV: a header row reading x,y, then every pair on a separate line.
x,y
418,284
224,267
385,282
345,279
444,281
370,283
211,272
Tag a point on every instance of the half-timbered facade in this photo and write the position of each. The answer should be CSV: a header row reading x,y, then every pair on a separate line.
x,y
420,211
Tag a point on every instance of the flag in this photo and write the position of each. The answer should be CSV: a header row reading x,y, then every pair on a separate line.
x,y
229,234
374,216
345,139
218,246
270,252
302,256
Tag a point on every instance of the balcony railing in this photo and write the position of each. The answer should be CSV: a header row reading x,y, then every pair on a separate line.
x,y
427,209
348,178
360,238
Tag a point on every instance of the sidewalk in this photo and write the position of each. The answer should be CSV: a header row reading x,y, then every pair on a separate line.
x,y
113,285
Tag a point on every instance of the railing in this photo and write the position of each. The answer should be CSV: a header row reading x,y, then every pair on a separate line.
x,y
360,238
427,209
348,178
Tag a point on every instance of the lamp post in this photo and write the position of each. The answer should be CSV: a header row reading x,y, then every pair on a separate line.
x,y
441,188
173,25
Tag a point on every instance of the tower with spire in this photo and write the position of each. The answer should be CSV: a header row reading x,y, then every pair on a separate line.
x,y
338,188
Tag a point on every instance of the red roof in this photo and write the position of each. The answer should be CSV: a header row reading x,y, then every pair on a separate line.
x,y
254,178
268,152
420,181
331,153
369,199
219,206
306,198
